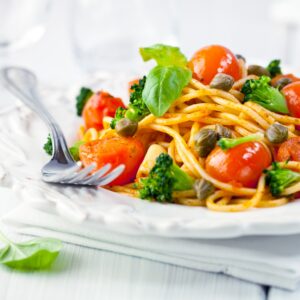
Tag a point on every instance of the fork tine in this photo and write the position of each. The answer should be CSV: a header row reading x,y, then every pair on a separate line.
x,y
109,177
77,177
96,175
58,177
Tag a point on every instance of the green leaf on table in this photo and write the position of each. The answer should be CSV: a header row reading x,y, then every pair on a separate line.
x,y
163,86
36,254
164,55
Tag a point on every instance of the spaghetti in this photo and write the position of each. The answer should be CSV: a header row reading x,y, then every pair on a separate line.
x,y
202,107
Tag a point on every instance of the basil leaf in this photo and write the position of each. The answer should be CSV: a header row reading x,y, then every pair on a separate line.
x,y
36,254
164,85
164,55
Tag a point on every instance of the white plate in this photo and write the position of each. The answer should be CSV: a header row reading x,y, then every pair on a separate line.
x,y
22,136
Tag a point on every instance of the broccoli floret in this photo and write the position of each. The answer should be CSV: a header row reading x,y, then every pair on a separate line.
x,y
260,92
120,114
137,108
163,178
82,98
227,143
274,67
278,179
48,147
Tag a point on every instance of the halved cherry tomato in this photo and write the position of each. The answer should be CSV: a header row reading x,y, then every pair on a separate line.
x,y
290,76
290,149
100,105
115,151
292,96
210,60
241,165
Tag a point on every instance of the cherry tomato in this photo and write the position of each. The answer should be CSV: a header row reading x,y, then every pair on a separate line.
x,y
292,96
290,149
290,76
100,105
210,60
116,151
241,165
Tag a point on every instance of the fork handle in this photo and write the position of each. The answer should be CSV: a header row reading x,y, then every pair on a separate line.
x,y
23,84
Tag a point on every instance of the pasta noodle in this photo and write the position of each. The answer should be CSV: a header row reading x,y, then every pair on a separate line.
x,y
211,106
225,106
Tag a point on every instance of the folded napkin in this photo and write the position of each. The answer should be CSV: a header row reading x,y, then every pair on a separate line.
x,y
273,261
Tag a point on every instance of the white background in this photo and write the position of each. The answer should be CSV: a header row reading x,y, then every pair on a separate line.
x,y
246,27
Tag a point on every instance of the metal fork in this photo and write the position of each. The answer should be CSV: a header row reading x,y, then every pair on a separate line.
x,y
62,168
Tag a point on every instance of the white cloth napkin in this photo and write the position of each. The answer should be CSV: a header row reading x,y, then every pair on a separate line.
x,y
273,261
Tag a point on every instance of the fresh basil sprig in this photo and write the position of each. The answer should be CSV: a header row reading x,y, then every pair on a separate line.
x,y
36,254
165,81
164,85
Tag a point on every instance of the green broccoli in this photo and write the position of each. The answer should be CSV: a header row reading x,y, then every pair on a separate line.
x,y
260,92
163,178
120,114
278,178
227,143
137,109
48,147
82,98
274,67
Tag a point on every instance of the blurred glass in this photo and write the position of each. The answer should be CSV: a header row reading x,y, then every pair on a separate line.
x,y
106,34
21,22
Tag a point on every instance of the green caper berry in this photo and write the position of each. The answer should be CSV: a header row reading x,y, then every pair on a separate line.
x,y
126,127
222,82
282,82
258,71
223,132
203,189
205,141
277,133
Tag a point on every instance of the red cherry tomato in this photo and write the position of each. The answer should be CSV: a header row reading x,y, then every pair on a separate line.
x,y
100,105
241,165
290,149
210,60
116,151
292,96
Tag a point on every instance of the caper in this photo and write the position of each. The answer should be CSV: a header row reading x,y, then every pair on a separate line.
x,y
126,127
223,132
239,56
205,140
258,70
282,82
277,133
222,82
203,189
